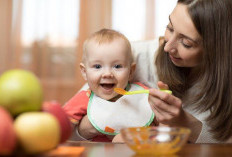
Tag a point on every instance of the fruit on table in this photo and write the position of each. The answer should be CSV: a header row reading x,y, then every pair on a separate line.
x,y
20,91
65,126
7,133
37,131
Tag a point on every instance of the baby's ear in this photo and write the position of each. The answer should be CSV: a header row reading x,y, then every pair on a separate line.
x,y
83,71
132,71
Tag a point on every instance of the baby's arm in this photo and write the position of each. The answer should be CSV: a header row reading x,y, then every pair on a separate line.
x,y
86,129
76,109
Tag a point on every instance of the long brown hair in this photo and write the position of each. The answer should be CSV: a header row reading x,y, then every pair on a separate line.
x,y
211,87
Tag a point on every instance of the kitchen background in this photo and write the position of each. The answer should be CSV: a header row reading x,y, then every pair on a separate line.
x,y
46,36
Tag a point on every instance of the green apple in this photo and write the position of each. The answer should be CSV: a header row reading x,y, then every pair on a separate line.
x,y
20,91
37,131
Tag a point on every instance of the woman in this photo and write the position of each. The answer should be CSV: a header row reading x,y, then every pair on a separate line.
x,y
194,62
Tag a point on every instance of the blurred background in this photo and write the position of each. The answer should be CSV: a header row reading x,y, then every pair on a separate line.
x,y
46,36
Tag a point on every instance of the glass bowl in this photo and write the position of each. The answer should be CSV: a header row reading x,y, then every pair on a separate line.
x,y
155,140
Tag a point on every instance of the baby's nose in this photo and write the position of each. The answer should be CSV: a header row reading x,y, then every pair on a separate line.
x,y
107,74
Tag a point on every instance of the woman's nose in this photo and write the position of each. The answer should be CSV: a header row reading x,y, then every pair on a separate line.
x,y
170,46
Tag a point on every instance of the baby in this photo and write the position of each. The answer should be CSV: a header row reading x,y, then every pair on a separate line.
x,y
107,63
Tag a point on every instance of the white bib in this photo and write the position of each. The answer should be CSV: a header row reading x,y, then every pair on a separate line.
x,y
127,111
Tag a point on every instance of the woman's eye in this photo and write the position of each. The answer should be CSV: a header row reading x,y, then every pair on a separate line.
x,y
97,66
117,66
169,28
186,45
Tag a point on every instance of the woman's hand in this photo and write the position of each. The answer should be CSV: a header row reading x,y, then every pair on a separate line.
x,y
168,111
166,107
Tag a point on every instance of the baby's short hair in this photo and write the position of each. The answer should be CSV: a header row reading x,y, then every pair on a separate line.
x,y
106,36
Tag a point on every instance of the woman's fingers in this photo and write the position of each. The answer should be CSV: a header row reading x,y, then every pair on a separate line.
x,y
164,112
165,106
158,113
165,97
162,85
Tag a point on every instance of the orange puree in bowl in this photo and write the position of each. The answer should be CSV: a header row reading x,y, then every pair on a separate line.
x,y
161,149
155,148
155,140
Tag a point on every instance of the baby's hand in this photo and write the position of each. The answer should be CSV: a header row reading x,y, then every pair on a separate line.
x,y
118,139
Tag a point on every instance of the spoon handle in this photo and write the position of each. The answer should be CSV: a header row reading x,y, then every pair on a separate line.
x,y
138,92
147,91
166,91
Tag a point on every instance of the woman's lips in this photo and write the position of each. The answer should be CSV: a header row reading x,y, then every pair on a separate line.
x,y
174,58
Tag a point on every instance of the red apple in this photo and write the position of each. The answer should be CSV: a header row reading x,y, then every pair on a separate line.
x,y
20,91
37,131
7,133
65,125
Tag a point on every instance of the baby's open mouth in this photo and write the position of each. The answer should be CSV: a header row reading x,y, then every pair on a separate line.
x,y
107,86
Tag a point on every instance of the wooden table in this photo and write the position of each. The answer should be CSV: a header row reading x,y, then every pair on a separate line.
x,y
121,150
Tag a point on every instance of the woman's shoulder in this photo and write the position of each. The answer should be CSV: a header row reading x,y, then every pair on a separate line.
x,y
144,46
144,56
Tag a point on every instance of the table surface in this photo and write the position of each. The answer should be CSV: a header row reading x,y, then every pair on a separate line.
x,y
92,149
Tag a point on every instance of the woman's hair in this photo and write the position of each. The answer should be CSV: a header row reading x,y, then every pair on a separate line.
x,y
105,36
210,86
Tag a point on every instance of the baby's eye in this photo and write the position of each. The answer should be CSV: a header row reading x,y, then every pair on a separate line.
x,y
117,66
97,66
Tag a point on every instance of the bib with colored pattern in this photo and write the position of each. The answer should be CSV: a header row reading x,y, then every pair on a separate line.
x,y
128,111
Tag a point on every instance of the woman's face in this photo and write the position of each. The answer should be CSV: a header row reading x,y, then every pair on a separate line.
x,y
183,43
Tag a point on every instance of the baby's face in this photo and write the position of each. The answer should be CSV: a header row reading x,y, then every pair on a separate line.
x,y
107,66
